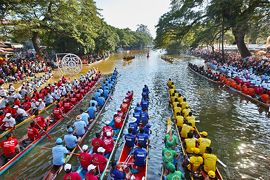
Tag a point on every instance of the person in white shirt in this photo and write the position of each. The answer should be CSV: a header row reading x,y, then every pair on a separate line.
x,y
9,122
3,92
3,102
21,114
40,105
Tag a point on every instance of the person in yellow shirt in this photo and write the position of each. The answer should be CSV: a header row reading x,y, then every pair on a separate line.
x,y
173,98
175,102
190,143
210,160
186,111
186,129
195,161
203,142
191,119
169,83
184,104
171,92
177,109
179,120
180,98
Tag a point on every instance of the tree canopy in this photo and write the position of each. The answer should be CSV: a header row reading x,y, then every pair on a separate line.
x,y
190,23
66,26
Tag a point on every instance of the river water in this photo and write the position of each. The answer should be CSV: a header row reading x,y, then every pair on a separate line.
x,y
239,130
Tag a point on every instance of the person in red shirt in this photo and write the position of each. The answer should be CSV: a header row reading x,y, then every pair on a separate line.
x,y
79,96
27,98
99,159
108,144
69,174
40,121
10,147
85,157
118,123
67,106
60,103
73,100
26,105
97,142
90,175
7,109
17,102
57,113
32,132
106,128
36,94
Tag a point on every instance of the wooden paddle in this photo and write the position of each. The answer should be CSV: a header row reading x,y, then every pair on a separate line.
x,y
48,136
221,163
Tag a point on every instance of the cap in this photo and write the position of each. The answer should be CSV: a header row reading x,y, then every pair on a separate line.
x,y
78,117
211,174
16,106
101,149
39,99
107,122
108,133
91,167
8,115
67,167
70,130
85,147
59,141
195,150
204,133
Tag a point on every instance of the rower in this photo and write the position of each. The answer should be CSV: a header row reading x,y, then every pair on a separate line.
x,y
142,138
177,109
130,138
175,103
80,126
195,161
186,111
32,132
190,143
210,160
124,106
106,128
10,147
137,115
58,153
173,173
67,106
184,104
101,100
70,140
118,123
97,94
85,157
179,120
99,159
186,129
41,123
21,114
9,122
146,129
93,101
144,117
191,119
69,174
40,104
90,175
146,89
108,143
170,140
203,142
169,156
144,104
92,111
85,117
117,172
140,155
57,113
138,108
169,82
97,142
133,125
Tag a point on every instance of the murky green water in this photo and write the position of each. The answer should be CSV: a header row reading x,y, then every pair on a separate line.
x,y
239,132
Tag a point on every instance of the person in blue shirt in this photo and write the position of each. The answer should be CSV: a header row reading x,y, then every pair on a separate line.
x,y
70,140
92,111
146,89
146,129
101,101
138,108
144,118
93,101
130,138
137,115
85,116
80,126
97,94
144,104
117,172
106,93
142,138
58,153
140,155
133,125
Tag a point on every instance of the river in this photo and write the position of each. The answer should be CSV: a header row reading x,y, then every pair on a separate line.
x,y
240,133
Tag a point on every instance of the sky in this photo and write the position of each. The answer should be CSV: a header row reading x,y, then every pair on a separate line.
x,y
130,13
